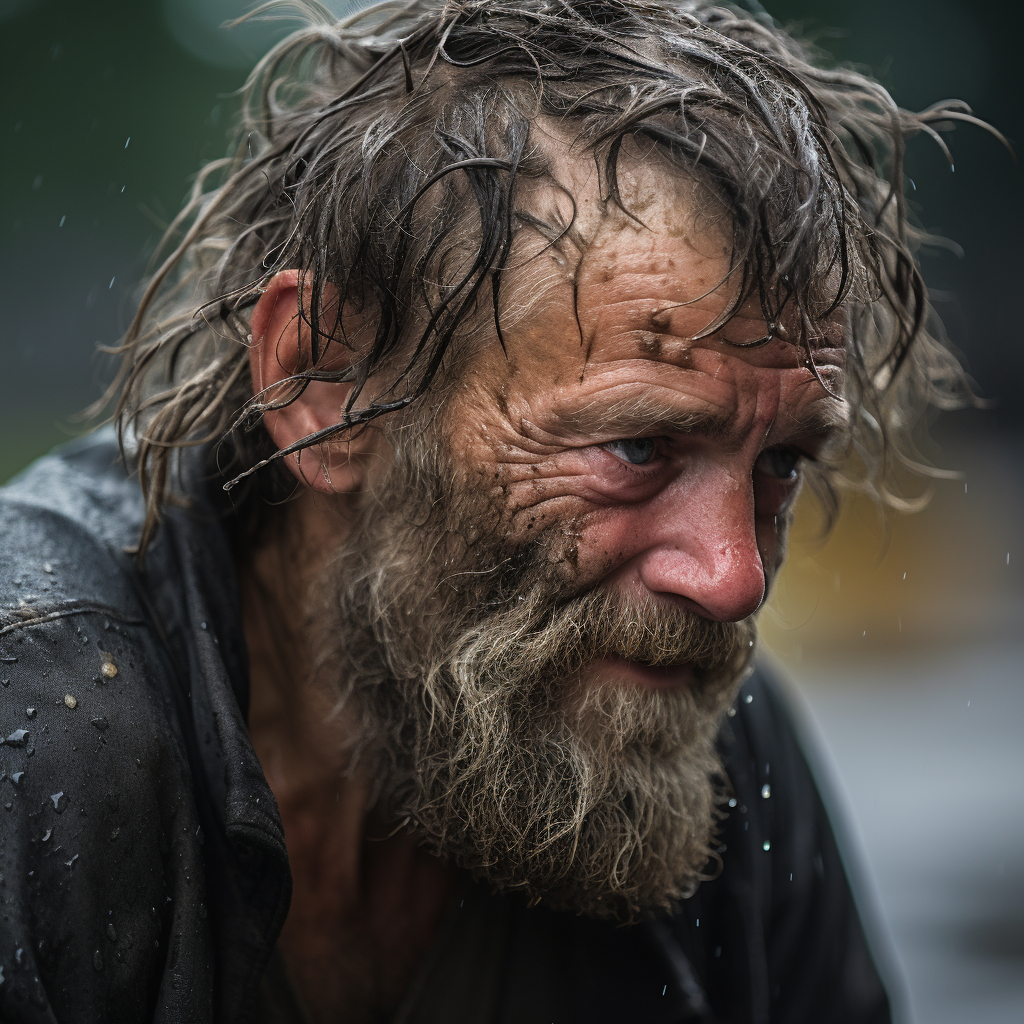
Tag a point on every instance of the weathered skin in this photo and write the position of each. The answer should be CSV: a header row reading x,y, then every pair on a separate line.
x,y
702,522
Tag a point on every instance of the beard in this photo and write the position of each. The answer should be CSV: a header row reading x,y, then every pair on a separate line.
x,y
460,662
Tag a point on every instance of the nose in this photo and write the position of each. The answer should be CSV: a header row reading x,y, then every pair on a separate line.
x,y
705,551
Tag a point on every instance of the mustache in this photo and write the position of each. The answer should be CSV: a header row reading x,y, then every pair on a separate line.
x,y
561,637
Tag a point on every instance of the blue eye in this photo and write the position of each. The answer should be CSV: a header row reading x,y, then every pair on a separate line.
x,y
634,450
780,463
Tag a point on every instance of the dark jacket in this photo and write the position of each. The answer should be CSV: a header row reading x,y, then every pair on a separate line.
x,y
144,870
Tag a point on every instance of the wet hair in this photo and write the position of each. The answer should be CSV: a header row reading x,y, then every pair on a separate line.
x,y
383,155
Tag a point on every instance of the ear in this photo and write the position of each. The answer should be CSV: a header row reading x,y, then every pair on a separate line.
x,y
280,348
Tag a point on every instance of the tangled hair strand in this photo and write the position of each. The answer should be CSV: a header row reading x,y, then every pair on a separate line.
x,y
382,156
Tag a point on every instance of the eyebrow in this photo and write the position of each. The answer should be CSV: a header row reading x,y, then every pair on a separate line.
x,y
633,416
629,416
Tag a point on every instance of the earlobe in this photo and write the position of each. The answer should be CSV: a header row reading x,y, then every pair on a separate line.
x,y
280,349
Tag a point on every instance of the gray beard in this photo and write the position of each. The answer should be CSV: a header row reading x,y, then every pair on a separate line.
x,y
458,664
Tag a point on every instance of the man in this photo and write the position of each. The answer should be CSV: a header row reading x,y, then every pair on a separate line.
x,y
407,674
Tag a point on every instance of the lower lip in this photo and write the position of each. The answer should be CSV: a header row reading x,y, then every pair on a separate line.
x,y
623,672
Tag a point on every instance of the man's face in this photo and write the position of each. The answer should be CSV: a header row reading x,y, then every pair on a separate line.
x,y
544,613
669,464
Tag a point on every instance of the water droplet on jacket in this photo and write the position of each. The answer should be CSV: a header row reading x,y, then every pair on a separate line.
x,y
47,568
19,957
70,702
766,845
71,863
202,625
111,932
16,777
59,801
101,723
731,712
97,960
766,791
108,669
732,801
30,712
47,834
18,738
749,699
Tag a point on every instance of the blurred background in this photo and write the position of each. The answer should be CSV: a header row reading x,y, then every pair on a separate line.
x,y
902,638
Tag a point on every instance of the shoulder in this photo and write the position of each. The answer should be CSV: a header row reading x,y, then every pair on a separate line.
x,y
97,817
65,525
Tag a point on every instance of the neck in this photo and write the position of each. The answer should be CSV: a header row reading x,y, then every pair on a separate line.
x,y
366,899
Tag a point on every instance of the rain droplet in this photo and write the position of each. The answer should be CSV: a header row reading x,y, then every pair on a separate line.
x,y
766,791
16,777
19,957
59,801
70,702
732,801
47,568
97,960
202,625
108,669
749,699
30,712
111,932
731,712
18,738
47,834
101,723
71,863
766,845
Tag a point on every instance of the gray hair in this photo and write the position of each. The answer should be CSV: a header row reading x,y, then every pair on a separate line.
x,y
382,155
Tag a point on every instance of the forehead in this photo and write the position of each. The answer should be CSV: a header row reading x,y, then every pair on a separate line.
x,y
651,282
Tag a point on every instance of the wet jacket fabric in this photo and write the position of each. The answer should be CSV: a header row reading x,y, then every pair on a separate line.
x,y
144,870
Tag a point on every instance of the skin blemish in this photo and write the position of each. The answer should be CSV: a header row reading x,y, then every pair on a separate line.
x,y
650,344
